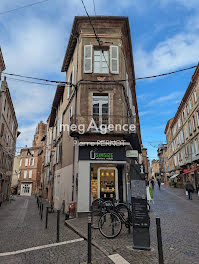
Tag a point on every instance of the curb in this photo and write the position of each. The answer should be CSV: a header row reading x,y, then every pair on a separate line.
x,y
81,234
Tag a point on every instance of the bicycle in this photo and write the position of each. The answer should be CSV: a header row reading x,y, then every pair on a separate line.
x,y
115,219
100,207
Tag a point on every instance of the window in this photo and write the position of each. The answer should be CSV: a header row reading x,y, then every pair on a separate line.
x,y
190,127
194,125
101,61
25,174
197,114
195,96
30,173
2,129
187,109
20,163
58,186
196,145
26,162
190,104
186,134
100,109
31,162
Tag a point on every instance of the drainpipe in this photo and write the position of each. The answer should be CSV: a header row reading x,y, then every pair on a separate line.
x,y
75,116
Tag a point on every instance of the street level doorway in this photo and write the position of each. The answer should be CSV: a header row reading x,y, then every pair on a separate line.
x,y
26,189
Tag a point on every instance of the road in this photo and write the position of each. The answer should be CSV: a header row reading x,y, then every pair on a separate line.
x,y
22,229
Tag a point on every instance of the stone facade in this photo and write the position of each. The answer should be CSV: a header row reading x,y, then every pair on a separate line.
x,y
100,96
182,133
8,137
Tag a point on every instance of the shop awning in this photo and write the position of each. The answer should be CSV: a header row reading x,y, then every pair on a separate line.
x,y
175,175
191,170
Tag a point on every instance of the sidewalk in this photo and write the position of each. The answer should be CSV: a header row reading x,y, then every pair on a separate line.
x,y
180,235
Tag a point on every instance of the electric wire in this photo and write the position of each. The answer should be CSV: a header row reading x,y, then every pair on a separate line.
x,y
21,7
82,80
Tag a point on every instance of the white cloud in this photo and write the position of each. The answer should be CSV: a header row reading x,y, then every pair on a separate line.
x,y
173,53
167,98
143,113
26,137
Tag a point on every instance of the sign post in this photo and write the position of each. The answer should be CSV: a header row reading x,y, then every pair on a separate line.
x,y
141,220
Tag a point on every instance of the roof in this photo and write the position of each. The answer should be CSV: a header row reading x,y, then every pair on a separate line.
x,y
58,94
74,33
167,125
196,73
2,63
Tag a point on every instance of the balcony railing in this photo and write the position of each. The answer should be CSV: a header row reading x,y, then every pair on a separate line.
x,y
101,124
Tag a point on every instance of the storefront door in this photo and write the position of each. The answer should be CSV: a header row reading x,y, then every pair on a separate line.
x,y
108,183
26,189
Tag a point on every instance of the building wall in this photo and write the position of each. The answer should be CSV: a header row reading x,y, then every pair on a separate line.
x,y
8,136
183,132
15,172
66,164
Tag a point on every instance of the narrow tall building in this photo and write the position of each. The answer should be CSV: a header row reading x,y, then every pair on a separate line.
x,y
30,168
94,117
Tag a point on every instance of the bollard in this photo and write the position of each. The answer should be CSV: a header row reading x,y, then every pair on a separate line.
x,y
46,217
58,213
159,238
89,237
63,207
42,208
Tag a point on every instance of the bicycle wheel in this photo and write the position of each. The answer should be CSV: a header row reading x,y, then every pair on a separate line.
x,y
110,225
123,211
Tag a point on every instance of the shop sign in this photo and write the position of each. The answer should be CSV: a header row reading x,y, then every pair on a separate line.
x,y
132,154
102,153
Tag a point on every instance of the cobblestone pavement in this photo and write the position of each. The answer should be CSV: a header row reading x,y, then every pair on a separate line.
x,y
180,231
21,228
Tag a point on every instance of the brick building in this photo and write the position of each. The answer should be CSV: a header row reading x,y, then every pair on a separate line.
x,y
155,165
8,137
85,165
146,162
30,167
163,162
182,133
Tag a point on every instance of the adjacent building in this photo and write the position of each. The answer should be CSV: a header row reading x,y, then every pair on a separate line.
x,y
15,174
155,167
8,136
146,163
30,167
94,117
163,162
182,133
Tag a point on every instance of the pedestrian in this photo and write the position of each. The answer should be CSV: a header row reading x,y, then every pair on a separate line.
x,y
159,183
152,183
189,189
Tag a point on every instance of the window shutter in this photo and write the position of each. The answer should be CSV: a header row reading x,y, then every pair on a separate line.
x,y
60,123
57,149
73,75
114,59
88,58
30,174
26,162
33,160
68,88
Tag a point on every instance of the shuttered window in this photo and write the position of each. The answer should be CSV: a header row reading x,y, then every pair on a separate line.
x,y
60,123
26,162
68,88
114,59
88,59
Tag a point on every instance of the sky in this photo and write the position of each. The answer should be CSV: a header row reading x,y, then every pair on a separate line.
x,y
164,37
